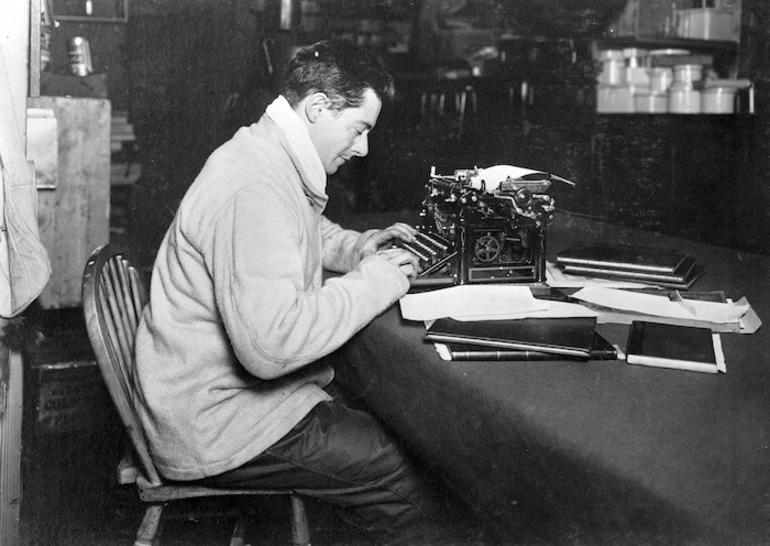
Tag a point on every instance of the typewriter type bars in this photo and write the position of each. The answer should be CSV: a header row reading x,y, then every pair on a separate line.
x,y
435,253
484,225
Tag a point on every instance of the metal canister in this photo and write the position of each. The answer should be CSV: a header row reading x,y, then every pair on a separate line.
x,y
80,56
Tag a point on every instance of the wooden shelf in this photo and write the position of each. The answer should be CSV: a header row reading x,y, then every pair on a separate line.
x,y
664,42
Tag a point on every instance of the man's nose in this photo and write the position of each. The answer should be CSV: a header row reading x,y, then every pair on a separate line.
x,y
361,145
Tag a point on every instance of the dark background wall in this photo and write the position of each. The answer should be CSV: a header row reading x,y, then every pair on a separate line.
x,y
190,72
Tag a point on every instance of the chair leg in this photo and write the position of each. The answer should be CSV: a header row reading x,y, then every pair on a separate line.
x,y
300,532
148,532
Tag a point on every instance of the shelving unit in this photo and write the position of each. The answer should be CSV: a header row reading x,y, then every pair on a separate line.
x,y
652,24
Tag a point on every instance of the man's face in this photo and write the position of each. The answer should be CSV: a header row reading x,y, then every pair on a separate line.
x,y
339,135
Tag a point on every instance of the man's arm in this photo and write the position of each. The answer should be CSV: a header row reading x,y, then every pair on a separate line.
x,y
345,248
276,320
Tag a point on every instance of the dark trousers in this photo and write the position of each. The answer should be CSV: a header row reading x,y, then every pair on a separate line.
x,y
343,456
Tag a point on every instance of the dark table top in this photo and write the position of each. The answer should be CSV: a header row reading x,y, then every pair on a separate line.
x,y
596,451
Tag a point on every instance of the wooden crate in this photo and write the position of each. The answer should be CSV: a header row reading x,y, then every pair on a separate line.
x,y
73,216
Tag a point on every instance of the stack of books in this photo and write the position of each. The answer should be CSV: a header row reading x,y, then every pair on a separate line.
x,y
666,268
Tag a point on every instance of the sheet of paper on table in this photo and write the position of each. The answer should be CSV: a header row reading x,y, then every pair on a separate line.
x,y
624,306
484,302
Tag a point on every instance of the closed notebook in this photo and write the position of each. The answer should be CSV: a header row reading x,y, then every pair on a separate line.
x,y
560,336
601,349
674,346
627,258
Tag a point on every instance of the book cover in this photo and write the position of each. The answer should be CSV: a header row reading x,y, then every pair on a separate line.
x,y
674,346
682,281
628,258
601,349
560,336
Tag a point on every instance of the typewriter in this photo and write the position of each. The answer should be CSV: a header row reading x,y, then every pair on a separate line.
x,y
484,226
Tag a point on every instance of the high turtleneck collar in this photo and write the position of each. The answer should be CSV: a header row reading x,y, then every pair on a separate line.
x,y
303,150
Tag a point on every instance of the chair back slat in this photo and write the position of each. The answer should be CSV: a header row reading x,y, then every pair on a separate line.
x,y
132,312
113,299
117,321
138,291
122,367
119,277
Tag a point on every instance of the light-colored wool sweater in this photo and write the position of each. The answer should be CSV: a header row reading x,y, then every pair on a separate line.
x,y
238,307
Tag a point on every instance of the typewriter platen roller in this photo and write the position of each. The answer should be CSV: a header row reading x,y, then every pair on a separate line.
x,y
484,226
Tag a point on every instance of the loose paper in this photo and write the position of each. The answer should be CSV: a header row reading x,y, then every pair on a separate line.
x,y
661,305
486,302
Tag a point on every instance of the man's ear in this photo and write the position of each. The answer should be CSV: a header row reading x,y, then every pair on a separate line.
x,y
315,105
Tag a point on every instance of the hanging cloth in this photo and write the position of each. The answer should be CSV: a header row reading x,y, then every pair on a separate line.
x,y
28,269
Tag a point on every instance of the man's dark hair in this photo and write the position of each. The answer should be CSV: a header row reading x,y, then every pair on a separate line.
x,y
341,70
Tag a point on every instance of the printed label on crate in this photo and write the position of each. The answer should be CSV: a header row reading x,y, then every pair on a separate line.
x,y
71,396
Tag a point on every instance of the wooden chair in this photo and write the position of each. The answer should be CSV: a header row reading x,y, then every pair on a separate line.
x,y
113,298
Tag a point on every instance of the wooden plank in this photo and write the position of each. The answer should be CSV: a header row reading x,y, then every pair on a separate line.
x,y
14,75
10,444
35,37
74,217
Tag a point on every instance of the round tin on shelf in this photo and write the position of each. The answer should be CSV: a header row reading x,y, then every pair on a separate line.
x,y
688,73
683,99
718,100
660,79
647,102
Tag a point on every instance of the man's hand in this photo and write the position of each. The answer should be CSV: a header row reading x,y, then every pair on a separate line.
x,y
403,259
377,240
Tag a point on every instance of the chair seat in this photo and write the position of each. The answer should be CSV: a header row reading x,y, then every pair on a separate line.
x,y
170,491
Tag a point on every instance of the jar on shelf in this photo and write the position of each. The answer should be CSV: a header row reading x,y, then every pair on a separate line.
x,y
688,73
719,95
683,98
661,78
613,67
649,102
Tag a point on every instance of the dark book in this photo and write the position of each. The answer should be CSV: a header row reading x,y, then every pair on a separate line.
x,y
683,281
627,258
601,349
672,346
559,336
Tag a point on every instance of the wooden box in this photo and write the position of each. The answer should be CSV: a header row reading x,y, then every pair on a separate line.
x,y
73,215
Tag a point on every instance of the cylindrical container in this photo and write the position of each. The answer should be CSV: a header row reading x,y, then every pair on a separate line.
x,y
635,57
80,56
660,79
647,102
613,67
688,73
623,99
604,104
718,100
614,99
683,99
636,66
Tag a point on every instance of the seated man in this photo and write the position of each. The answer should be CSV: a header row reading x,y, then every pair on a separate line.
x,y
232,387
